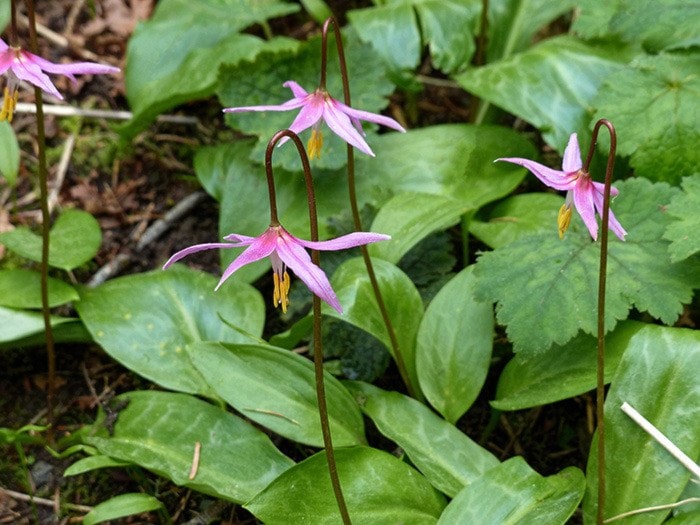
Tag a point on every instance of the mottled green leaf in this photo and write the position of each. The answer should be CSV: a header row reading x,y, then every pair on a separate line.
x,y
453,349
446,456
9,151
512,493
22,289
146,320
74,239
664,89
658,376
276,389
159,430
122,506
378,489
684,233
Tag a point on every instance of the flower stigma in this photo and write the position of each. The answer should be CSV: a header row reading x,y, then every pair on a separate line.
x,y
280,295
9,102
315,144
564,218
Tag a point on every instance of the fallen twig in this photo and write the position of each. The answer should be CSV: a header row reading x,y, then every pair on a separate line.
x,y
43,501
70,111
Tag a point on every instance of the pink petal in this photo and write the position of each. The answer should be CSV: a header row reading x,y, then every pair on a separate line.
x,y
558,180
76,68
286,106
346,241
3,45
297,90
194,249
613,223
309,115
340,124
572,156
26,70
600,188
260,248
6,60
242,240
296,258
584,202
369,117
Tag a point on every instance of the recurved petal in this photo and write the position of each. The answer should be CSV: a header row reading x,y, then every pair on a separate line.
x,y
346,241
27,70
286,106
552,178
613,223
600,187
369,117
194,249
309,115
572,155
3,45
76,68
241,240
340,124
297,90
260,248
584,200
6,60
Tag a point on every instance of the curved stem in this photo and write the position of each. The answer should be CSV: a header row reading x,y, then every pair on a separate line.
x,y
398,356
318,347
600,375
45,227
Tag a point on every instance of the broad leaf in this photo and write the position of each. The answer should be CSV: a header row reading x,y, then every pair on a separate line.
x,y
403,304
91,463
122,506
159,431
684,233
19,324
512,493
276,389
562,371
22,289
556,282
658,376
453,349
664,88
9,151
74,239
551,85
446,456
145,321
378,489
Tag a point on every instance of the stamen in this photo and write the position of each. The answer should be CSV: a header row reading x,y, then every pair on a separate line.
x,y
564,219
9,102
280,294
315,144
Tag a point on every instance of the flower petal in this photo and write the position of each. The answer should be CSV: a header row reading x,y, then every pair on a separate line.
x,y
297,90
298,260
75,68
260,248
3,45
584,201
25,69
6,60
194,249
346,241
552,178
369,117
613,223
600,187
309,115
340,124
286,106
242,240
572,156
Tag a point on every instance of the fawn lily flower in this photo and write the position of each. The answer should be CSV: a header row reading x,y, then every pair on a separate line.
x,y
18,64
285,250
584,193
343,120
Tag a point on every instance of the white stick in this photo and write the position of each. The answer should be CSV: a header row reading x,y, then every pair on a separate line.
x,y
663,440
70,111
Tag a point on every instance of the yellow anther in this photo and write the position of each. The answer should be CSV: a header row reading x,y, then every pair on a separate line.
x,y
315,144
564,219
280,294
9,102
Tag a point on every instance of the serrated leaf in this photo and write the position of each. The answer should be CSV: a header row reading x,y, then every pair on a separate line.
x,y
369,478
22,289
275,388
9,152
512,493
547,294
260,83
562,371
74,239
158,431
663,88
446,456
517,216
658,376
453,349
362,356
122,506
146,320
402,300
551,85
684,233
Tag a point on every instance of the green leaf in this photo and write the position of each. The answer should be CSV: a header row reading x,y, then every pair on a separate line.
x,y
159,430
9,151
551,85
684,233
409,218
402,300
447,457
362,356
453,349
276,389
260,83
513,493
557,282
664,88
22,289
74,239
562,371
4,15
146,320
65,330
514,23
121,506
18,324
658,376
91,463
378,489
517,216
175,56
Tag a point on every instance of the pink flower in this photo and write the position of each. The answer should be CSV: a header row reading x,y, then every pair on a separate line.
x,y
285,250
585,194
18,65
319,105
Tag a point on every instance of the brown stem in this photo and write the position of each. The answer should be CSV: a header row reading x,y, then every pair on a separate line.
x,y
45,226
13,23
398,356
318,347
600,376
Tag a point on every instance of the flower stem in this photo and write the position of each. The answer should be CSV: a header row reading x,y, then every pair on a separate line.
x,y
398,356
600,376
318,347
45,227
13,23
